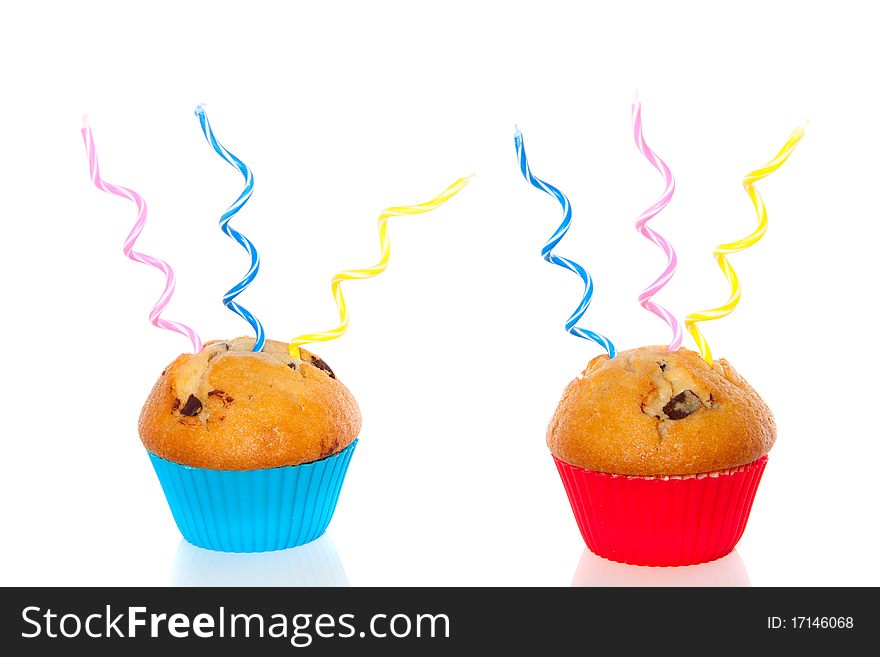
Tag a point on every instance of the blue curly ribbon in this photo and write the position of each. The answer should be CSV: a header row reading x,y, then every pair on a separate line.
x,y
549,256
241,286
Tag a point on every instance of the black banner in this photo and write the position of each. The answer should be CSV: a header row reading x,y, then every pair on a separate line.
x,y
431,621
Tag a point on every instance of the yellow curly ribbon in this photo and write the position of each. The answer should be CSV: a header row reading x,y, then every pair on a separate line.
x,y
722,250
378,268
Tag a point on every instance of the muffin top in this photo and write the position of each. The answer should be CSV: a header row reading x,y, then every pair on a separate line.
x,y
648,412
228,408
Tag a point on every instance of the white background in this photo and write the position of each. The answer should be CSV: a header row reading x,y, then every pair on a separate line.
x,y
457,353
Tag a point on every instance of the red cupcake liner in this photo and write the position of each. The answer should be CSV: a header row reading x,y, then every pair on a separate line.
x,y
657,521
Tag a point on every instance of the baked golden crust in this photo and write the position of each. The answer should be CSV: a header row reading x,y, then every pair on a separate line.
x,y
228,408
651,412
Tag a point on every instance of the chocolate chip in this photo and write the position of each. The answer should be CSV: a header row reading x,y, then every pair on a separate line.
x,y
163,372
228,399
192,407
175,404
682,405
662,366
216,393
292,366
321,365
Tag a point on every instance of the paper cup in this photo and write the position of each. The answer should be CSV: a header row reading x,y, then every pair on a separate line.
x,y
657,521
253,510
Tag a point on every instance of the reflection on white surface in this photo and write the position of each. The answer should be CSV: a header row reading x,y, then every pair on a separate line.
x,y
312,564
596,571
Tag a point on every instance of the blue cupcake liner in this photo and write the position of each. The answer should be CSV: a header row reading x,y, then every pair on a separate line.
x,y
253,510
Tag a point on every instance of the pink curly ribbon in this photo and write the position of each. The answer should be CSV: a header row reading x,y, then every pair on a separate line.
x,y
128,248
642,227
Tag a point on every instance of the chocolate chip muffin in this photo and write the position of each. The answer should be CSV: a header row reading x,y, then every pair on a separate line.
x,y
228,408
653,412
660,454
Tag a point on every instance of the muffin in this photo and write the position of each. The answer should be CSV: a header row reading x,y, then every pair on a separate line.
x,y
250,448
661,454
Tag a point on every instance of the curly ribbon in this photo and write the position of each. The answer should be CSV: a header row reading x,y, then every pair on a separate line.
x,y
642,226
722,250
128,247
549,256
378,268
241,286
